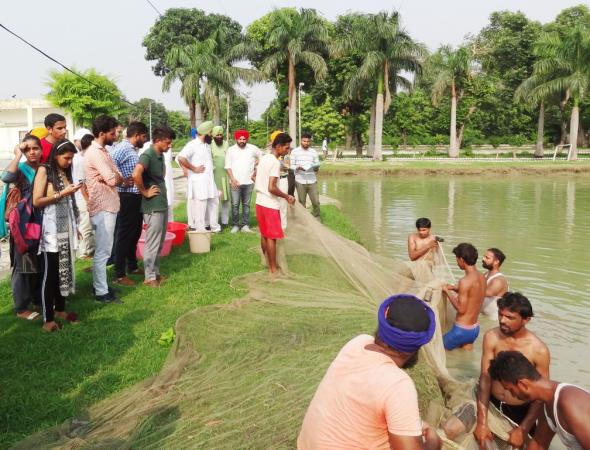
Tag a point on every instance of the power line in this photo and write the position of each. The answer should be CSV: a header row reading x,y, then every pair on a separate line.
x,y
63,65
155,9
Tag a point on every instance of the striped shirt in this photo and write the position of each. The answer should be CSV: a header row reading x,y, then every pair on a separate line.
x,y
308,160
124,155
101,180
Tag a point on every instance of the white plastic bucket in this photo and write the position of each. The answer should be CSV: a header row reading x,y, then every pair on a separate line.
x,y
199,241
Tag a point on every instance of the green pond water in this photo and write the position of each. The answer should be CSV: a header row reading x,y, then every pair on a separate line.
x,y
542,223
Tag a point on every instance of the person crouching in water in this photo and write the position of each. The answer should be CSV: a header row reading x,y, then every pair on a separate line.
x,y
53,190
466,298
365,399
267,199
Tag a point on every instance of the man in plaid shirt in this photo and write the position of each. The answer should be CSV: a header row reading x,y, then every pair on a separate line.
x,y
129,218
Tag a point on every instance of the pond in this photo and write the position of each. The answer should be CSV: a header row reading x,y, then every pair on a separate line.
x,y
542,223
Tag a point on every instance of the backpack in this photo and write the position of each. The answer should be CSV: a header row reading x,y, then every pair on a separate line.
x,y
25,224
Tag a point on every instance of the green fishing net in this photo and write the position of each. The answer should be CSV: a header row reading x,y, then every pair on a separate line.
x,y
242,375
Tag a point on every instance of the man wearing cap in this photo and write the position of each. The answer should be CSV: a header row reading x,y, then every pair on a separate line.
x,y
86,244
365,399
240,163
202,194
218,149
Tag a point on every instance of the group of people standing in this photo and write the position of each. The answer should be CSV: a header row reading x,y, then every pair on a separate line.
x,y
95,196
89,196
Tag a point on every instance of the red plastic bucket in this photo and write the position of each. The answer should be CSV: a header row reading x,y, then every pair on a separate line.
x,y
165,248
179,229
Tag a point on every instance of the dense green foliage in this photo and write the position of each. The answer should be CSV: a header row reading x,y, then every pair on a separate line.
x,y
84,100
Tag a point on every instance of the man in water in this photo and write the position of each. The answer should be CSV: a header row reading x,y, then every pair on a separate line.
x,y
466,298
566,407
365,399
514,313
421,243
497,285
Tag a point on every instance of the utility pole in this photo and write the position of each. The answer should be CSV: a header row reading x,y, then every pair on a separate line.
x,y
227,120
247,96
301,84
151,120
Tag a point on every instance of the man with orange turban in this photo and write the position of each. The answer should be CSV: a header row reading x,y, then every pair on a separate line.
x,y
240,163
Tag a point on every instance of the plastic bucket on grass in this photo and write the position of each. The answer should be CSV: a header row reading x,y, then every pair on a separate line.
x,y
200,241
165,248
179,229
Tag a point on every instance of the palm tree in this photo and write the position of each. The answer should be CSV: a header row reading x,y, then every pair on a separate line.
x,y
452,69
388,50
297,37
523,94
565,65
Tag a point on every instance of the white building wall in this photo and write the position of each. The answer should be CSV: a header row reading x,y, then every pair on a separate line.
x,y
17,117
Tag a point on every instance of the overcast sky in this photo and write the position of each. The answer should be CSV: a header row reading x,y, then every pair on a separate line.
x,y
107,35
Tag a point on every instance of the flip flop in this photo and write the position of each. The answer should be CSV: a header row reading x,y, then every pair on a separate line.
x,y
72,318
55,327
34,315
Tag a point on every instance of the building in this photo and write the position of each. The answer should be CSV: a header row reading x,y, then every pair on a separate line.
x,y
18,116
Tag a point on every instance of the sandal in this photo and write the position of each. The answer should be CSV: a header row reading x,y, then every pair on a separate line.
x,y
54,327
68,317
32,315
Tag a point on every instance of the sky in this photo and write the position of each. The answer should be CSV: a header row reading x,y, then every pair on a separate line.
x,y
107,35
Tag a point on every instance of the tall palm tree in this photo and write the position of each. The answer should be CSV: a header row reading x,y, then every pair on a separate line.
x,y
452,69
192,65
388,51
565,64
297,37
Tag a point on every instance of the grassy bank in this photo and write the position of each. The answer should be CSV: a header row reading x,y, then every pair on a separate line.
x,y
48,378
450,167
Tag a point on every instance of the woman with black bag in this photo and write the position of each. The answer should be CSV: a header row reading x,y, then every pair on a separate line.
x,y
18,183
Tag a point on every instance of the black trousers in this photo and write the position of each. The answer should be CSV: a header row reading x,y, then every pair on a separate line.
x,y
127,233
51,298
291,181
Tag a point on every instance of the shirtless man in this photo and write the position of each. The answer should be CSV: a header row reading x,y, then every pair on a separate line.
x,y
567,407
422,242
466,298
497,285
514,312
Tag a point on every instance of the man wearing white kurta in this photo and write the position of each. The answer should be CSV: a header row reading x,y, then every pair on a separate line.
x,y
202,194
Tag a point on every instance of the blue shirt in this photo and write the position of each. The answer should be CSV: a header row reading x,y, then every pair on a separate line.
x,y
124,155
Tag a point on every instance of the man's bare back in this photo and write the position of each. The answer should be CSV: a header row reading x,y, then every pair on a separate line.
x,y
469,296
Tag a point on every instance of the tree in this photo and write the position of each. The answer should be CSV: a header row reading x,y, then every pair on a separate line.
x,y
294,37
387,51
565,64
452,70
180,123
179,27
140,111
83,99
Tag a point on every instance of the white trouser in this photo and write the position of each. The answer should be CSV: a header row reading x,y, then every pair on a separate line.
x,y
204,213
86,245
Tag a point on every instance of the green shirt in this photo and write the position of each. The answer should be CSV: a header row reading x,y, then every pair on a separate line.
x,y
153,174
219,172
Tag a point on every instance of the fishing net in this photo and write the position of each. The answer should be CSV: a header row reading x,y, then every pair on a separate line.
x,y
241,375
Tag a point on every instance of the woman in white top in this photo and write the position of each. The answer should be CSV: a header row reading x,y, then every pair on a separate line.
x,y
53,191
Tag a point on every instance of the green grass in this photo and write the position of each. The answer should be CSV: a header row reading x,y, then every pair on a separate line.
x,y
48,378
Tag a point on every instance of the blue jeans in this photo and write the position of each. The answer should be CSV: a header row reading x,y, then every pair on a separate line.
x,y
103,224
241,195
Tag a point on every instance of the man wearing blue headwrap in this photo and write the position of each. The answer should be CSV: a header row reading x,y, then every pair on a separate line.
x,y
365,399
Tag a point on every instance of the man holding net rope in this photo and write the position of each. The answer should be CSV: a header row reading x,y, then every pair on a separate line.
x,y
365,399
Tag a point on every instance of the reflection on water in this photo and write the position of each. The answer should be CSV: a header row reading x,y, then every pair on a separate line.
x,y
542,224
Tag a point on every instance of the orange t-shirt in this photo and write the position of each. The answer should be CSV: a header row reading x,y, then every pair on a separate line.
x,y
363,397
